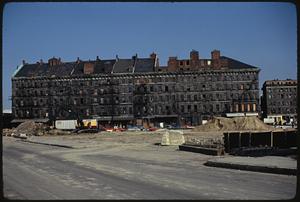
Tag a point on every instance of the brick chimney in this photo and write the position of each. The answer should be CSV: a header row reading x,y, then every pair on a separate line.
x,y
172,64
154,57
88,68
53,61
215,55
194,55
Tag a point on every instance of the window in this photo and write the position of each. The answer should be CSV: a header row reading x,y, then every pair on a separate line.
x,y
182,97
166,88
181,63
151,88
195,108
188,97
187,62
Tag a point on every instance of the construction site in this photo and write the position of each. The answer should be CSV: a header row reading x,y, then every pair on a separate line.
x,y
212,135
238,157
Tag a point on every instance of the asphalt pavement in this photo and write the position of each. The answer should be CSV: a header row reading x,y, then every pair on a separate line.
x,y
120,171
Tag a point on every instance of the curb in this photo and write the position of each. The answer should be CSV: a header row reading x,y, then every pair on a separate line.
x,y
56,145
264,169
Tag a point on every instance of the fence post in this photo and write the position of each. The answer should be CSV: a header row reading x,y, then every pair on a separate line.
x,y
240,140
272,139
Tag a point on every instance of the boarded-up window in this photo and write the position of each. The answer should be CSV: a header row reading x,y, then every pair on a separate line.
x,y
236,107
248,107
254,107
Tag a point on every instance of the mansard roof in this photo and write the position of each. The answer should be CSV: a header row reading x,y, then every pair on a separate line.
x,y
144,65
235,64
55,67
124,66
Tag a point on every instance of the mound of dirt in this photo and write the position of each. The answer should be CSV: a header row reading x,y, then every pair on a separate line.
x,y
233,124
30,128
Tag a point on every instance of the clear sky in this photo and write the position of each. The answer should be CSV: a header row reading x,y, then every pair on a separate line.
x,y
259,34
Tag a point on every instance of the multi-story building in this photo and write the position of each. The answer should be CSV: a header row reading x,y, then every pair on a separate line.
x,y
279,99
137,89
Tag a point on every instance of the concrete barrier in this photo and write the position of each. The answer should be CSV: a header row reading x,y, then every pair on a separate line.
x,y
172,138
202,150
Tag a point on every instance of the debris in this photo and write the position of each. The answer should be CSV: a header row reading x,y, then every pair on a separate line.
x,y
233,124
30,128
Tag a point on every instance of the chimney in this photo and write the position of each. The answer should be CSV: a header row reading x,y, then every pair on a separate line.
x,y
97,58
88,68
134,57
215,55
41,61
194,55
117,58
172,64
78,60
59,60
153,56
23,62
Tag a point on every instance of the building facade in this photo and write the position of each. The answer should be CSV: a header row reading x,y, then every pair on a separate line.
x,y
279,99
135,90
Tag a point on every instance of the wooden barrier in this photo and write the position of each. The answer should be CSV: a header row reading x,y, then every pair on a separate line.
x,y
271,139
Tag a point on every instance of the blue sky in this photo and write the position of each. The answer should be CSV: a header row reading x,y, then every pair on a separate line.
x,y
260,34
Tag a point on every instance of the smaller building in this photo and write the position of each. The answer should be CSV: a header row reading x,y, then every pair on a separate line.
x,y
7,117
279,100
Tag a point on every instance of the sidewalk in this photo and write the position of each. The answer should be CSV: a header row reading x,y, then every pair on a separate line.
x,y
267,164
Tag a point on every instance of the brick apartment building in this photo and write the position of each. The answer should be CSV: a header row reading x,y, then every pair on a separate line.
x,y
186,91
280,99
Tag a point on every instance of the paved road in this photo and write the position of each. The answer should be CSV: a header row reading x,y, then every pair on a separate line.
x,y
33,171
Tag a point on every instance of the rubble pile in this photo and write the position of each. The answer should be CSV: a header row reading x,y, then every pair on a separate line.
x,y
30,128
233,124
7,132
205,142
